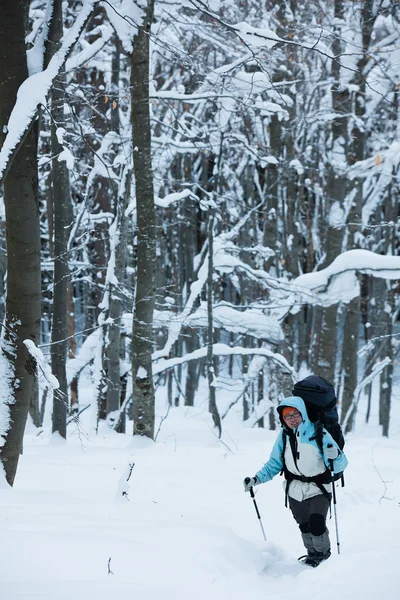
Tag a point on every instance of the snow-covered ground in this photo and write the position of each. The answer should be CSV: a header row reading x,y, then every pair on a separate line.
x,y
187,529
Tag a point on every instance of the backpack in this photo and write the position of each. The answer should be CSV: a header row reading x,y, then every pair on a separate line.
x,y
320,400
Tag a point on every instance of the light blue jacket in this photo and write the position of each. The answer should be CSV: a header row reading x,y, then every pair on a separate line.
x,y
309,461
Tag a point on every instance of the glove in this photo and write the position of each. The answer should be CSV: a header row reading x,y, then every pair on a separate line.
x,y
331,452
250,482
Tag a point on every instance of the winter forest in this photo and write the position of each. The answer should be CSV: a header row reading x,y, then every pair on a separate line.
x,y
199,207
200,197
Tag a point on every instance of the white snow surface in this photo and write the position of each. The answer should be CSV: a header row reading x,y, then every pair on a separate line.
x,y
182,527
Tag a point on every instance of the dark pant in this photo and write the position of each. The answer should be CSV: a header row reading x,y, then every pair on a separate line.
x,y
310,514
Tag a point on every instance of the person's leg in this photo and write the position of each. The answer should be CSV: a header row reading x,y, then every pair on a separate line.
x,y
301,514
319,506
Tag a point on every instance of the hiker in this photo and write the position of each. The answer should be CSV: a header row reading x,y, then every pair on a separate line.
x,y
307,464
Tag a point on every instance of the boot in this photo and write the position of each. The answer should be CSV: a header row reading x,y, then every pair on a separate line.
x,y
322,546
311,556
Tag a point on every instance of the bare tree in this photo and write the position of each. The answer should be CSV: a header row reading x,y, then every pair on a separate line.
x,y
142,334
22,233
62,211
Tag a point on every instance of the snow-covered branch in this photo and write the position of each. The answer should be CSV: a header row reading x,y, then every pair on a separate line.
x,y
196,287
376,370
33,91
222,350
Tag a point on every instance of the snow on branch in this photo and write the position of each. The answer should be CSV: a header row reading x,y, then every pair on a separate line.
x,y
378,172
90,50
376,370
339,283
33,91
35,55
42,364
175,197
222,350
125,16
256,37
249,322
84,357
196,287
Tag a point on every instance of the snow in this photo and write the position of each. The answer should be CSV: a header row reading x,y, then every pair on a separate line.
x,y
268,160
387,267
175,324
296,164
33,91
256,37
119,517
35,55
90,50
66,155
220,350
141,373
339,282
44,368
174,197
250,321
6,379
125,16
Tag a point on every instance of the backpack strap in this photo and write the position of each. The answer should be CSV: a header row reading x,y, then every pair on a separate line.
x,y
284,437
284,470
319,480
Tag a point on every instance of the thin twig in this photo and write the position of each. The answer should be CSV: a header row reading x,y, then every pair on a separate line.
x,y
161,422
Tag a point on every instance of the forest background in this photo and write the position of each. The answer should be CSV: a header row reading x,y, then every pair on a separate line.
x,y
201,197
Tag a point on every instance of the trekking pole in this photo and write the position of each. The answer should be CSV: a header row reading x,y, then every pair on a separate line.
x,y
258,513
334,505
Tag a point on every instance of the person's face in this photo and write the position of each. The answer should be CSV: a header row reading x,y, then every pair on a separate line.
x,y
293,419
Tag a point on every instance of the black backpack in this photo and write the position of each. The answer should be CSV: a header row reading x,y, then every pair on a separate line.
x,y
320,400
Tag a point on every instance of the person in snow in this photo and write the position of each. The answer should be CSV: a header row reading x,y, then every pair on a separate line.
x,y
308,473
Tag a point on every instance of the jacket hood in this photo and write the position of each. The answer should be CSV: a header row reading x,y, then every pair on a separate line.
x,y
293,402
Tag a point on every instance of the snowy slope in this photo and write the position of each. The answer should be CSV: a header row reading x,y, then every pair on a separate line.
x,y
188,530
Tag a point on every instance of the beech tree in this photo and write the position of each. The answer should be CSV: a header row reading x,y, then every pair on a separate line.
x,y
197,265
145,296
23,302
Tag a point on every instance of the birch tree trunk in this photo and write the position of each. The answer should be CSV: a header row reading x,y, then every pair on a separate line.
x,y
22,233
142,333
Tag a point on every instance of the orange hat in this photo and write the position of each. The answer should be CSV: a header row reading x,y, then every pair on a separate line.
x,y
288,409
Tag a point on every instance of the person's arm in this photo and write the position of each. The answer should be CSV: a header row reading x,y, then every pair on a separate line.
x,y
274,464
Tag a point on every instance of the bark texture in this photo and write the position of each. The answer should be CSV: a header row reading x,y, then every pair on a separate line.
x,y
142,334
62,212
22,234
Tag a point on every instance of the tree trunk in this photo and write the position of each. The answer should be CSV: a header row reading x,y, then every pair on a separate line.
x,y
350,348
112,353
62,211
212,403
335,192
22,233
142,334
